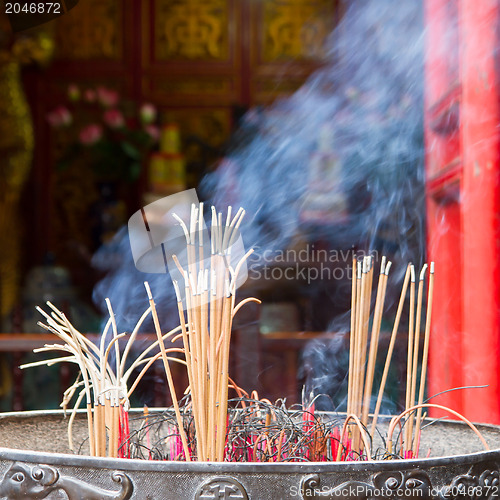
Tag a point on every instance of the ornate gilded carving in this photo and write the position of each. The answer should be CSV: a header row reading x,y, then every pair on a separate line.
x,y
192,29
213,126
92,30
296,29
223,488
188,85
27,482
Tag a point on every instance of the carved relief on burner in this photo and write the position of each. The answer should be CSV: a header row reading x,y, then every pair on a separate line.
x,y
191,29
394,484
482,485
28,482
222,488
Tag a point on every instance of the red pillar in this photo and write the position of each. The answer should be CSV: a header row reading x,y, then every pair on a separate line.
x,y
462,166
480,119
443,178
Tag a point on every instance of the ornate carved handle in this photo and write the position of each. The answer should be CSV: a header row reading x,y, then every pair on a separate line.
x,y
22,481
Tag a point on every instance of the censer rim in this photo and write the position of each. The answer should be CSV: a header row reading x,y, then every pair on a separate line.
x,y
72,460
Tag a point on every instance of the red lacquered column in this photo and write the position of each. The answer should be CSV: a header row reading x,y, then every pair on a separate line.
x,y
480,119
444,171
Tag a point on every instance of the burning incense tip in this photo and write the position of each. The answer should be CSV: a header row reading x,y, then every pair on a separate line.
x,y
183,226
422,272
387,268
412,272
148,290
177,291
432,268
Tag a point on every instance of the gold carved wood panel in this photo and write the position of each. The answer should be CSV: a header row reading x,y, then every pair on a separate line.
x,y
200,90
211,125
295,29
289,41
92,30
191,30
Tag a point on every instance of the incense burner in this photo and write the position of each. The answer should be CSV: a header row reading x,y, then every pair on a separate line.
x,y
35,463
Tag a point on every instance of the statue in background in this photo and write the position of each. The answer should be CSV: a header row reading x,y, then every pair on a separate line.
x,y
16,147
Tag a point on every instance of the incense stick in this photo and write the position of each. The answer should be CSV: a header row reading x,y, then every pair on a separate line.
x,y
168,373
425,354
409,361
377,320
352,336
390,350
415,351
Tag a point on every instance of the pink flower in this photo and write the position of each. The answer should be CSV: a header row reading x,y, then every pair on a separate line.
x,y
59,117
107,97
114,118
73,92
90,134
153,131
89,95
147,113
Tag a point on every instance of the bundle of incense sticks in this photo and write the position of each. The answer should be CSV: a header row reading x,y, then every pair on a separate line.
x,y
209,285
103,384
363,350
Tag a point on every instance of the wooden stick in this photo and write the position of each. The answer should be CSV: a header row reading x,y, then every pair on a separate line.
x,y
352,335
168,373
132,338
409,361
364,332
115,335
223,390
425,354
357,346
245,301
372,357
204,353
194,386
361,431
200,375
390,350
212,364
396,419
90,426
416,346
107,425
115,423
